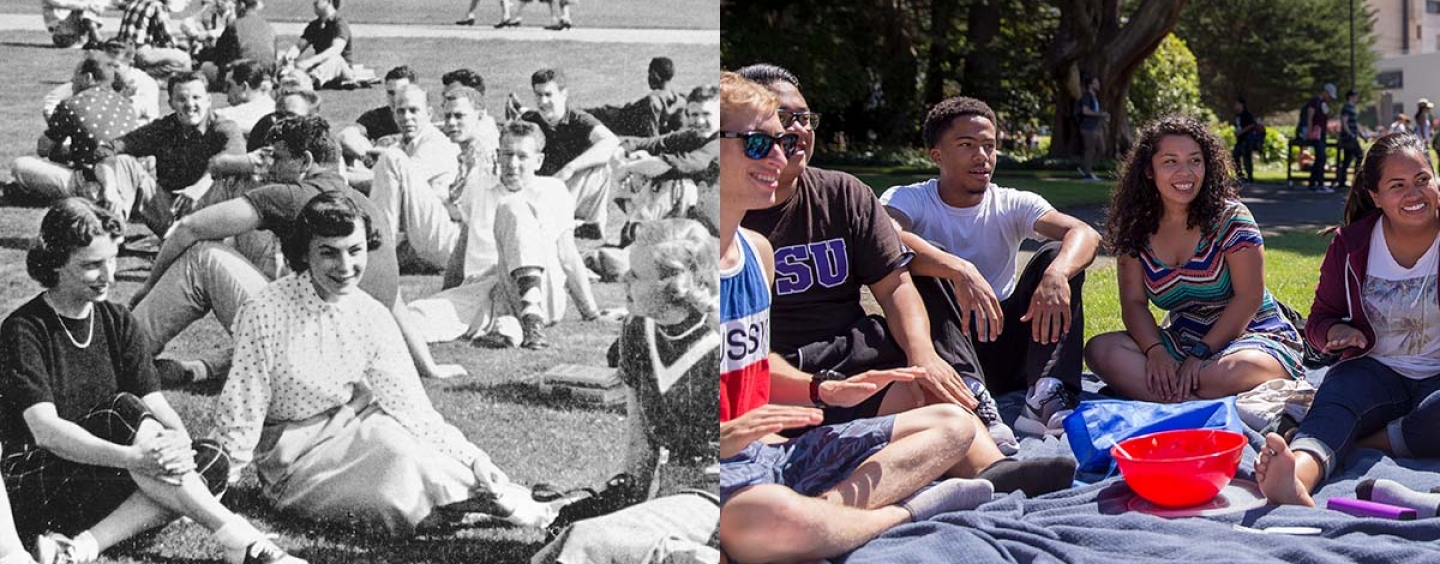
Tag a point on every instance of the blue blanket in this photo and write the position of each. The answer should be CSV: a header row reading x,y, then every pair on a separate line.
x,y
1091,524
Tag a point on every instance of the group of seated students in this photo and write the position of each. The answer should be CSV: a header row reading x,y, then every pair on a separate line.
x,y
827,413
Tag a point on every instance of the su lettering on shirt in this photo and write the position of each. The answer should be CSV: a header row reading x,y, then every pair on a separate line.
x,y
798,268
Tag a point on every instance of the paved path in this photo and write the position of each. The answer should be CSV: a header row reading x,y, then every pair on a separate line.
x,y
33,22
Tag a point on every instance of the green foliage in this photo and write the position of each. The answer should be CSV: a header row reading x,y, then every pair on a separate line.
x,y
1272,152
1168,83
1277,53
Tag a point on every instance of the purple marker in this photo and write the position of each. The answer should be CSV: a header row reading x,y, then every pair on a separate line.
x,y
1362,508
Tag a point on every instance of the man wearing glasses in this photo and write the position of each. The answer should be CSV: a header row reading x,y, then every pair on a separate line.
x,y
831,237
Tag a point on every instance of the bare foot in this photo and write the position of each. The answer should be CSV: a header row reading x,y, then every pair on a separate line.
x,y
1275,470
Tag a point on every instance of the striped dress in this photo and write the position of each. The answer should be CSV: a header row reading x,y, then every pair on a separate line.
x,y
1196,293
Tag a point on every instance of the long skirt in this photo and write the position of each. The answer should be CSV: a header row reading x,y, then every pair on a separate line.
x,y
362,469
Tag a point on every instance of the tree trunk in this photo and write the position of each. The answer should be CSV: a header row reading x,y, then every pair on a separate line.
x,y
1092,40
982,67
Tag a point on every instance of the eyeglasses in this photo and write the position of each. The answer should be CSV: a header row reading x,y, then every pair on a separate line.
x,y
758,144
808,120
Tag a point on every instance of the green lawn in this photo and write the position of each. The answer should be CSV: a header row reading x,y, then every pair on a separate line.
x,y
1063,189
498,407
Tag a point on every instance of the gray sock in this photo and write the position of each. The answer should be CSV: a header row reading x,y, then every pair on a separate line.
x,y
954,494
1393,493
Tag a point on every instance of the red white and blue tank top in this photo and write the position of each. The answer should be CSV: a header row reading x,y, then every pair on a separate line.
x,y
745,327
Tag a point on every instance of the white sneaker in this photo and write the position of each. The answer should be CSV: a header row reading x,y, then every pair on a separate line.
x,y
989,412
262,552
55,548
1047,404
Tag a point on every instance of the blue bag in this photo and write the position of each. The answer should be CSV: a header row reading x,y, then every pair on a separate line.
x,y
1097,425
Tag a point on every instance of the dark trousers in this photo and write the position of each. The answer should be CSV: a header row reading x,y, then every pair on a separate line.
x,y
1361,396
1015,361
1317,169
1244,156
868,345
50,493
1349,153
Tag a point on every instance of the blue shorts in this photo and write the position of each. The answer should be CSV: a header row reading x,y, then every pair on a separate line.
x,y
809,464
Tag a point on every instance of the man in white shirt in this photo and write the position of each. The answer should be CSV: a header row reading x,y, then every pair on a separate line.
x,y
73,23
247,89
420,162
968,231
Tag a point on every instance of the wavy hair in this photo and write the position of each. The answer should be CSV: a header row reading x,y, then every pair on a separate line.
x,y
1135,207
71,224
685,258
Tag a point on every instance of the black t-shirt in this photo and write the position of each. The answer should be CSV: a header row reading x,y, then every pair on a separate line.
x,y
565,139
830,238
40,364
321,34
279,204
378,122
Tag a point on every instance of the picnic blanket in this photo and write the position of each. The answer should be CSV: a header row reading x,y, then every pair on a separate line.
x,y
1091,523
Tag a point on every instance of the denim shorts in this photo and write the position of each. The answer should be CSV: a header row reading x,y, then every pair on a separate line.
x,y
809,464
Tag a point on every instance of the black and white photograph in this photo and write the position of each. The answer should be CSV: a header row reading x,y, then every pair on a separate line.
x,y
358,281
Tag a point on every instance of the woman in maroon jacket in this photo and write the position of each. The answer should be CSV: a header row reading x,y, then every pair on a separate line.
x,y
1376,306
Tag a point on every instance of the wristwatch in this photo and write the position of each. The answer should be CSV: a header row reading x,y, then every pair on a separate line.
x,y
1200,350
820,376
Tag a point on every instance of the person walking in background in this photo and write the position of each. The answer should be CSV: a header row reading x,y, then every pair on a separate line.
x,y
1092,127
1314,118
1424,121
1350,135
1248,137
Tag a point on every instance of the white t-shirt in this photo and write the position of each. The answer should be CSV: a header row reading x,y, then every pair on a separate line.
x,y
1402,307
988,235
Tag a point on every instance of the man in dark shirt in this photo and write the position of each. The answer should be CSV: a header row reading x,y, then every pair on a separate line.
x,y
330,35
661,111
357,142
182,144
248,37
578,150
1349,139
194,273
94,115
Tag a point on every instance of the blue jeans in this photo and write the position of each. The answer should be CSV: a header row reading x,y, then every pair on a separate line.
x,y
1362,396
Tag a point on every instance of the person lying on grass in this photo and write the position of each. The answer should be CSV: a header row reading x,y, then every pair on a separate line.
x,y
324,400
1376,306
1185,243
94,454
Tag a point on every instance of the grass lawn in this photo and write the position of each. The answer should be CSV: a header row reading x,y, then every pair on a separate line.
x,y
532,438
682,14
1063,189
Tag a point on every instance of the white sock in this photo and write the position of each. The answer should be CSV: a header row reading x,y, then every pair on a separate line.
x,y
954,494
1047,383
238,534
87,549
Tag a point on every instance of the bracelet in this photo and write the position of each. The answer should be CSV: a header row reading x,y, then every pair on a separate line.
x,y
1147,349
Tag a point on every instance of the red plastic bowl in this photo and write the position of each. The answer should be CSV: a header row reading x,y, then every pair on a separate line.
x,y
1179,468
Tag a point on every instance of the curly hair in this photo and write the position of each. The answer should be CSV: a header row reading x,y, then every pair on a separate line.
x,y
1360,202
685,258
329,214
939,118
70,224
1135,207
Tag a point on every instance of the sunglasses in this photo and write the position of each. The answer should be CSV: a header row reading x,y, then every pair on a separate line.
x,y
808,120
758,144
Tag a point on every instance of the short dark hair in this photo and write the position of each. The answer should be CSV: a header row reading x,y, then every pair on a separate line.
x,y
466,77
476,98
703,93
949,110
544,76
522,128
766,74
402,72
249,73
663,68
70,224
245,6
98,68
185,78
300,134
118,48
330,214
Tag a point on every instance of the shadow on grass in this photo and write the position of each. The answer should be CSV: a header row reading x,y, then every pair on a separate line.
x,y
17,243
529,392
28,45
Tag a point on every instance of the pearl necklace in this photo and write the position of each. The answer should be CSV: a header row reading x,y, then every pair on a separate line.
x,y
89,334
